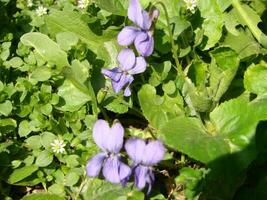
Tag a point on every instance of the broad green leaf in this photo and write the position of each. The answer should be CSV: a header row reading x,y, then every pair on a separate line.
x,y
72,160
254,79
223,68
34,142
244,44
188,136
191,179
66,40
24,128
224,4
57,188
44,159
46,47
73,97
97,189
259,105
226,144
116,7
160,73
47,138
80,70
14,62
42,196
229,131
5,108
159,109
71,178
213,21
21,173
70,21
116,104
8,124
41,74
197,99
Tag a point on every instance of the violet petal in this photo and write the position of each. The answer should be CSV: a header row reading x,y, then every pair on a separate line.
x,y
124,81
94,165
127,91
114,140
127,35
140,176
124,172
135,148
111,170
144,44
113,74
126,59
139,67
150,180
154,153
137,15
100,131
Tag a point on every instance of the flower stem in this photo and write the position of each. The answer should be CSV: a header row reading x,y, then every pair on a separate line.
x,y
80,189
174,47
258,34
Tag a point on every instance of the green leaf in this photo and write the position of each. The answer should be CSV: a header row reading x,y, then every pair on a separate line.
x,y
80,70
116,105
213,21
116,7
191,179
21,173
67,40
72,160
14,62
160,73
6,108
254,79
41,74
69,21
223,69
42,196
47,138
229,131
57,188
24,128
34,142
244,44
46,47
97,189
73,97
44,159
105,46
197,99
71,178
159,109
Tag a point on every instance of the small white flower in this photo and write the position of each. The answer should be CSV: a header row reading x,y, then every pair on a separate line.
x,y
82,4
58,146
191,5
29,3
41,10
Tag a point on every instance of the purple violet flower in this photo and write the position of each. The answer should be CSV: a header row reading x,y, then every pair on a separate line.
x,y
141,36
145,155
110,141
122,76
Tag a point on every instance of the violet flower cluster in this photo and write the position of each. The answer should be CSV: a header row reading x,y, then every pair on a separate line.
x,y
141,35
144,154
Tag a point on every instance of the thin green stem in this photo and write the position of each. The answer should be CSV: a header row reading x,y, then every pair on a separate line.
x,y
94,100
80,189
174,47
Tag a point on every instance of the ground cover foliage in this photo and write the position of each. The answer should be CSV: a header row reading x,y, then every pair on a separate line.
x,y
202,93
